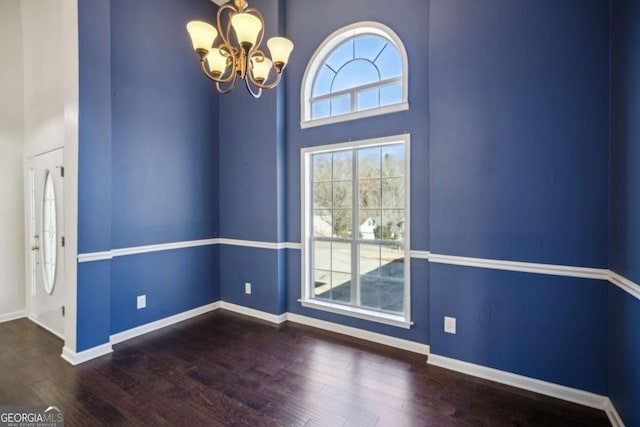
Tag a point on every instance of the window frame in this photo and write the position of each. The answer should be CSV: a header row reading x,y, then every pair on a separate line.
x,y
318,60
400,320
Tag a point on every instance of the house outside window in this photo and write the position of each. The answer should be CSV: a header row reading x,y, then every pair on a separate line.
x,y
356,229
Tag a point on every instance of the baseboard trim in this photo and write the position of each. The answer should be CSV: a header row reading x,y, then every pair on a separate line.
x,y
612,414
84,356
158,324
262,315
569,394
35,320
360,333
8,317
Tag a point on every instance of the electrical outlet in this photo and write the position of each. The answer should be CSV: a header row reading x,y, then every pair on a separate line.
x,y
142,301
247,288
450,325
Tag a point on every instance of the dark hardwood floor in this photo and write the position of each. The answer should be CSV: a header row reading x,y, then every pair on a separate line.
x,y
225,369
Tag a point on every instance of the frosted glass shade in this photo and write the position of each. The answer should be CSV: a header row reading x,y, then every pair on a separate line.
x,y
247,27
217,61
280,49
261,69
202,34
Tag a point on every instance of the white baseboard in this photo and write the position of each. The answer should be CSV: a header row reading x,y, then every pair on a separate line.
x,y
360,333
37,321
8,317
538,386
84,356
612,414
262,315
167,321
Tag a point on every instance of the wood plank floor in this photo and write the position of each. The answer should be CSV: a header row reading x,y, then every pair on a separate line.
x,y
225,369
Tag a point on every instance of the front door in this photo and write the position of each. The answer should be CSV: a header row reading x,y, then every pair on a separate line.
x,y
44,174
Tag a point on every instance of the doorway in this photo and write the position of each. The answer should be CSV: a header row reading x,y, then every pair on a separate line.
x,y
45,240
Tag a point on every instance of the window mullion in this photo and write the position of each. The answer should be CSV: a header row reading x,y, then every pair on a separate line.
x,y
355,234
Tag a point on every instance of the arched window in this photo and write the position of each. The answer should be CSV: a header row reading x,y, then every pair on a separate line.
x,y
360,70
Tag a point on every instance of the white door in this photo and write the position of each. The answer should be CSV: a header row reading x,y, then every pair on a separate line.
x,y
45,235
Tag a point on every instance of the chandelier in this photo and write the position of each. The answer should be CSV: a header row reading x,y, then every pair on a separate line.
x,y
244,60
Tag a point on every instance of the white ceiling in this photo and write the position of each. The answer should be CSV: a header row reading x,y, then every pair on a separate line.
x,y
219,2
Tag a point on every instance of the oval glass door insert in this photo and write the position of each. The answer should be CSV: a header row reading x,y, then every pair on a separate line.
x,y
49,234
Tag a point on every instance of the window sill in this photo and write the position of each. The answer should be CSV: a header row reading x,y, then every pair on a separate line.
x,y
403,106
373,316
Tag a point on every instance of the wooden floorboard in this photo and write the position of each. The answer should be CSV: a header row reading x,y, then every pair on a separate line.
x,y
223,369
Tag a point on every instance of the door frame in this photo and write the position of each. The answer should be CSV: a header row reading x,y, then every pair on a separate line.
x,y
71,94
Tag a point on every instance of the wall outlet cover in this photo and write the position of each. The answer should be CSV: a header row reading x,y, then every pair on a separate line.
x,y
247,288
450,325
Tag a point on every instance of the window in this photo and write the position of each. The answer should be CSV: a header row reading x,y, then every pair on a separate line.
x,y
356,229
359,71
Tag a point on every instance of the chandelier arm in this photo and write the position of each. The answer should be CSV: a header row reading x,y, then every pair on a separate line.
x,y
260,54
206,73
232,10
265,85
250,89
230,87
230,77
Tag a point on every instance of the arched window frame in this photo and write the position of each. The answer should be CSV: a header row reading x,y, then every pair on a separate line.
x,y
322,53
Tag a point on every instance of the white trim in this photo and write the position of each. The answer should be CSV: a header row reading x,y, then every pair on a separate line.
x,y
84,356
162,247
527,267
612,414
569,394
387,109
420,254
252,244
262,315
412,346
306,299
162,323
95,256
34,318
135,250
331,42
8,317
360,313
71,88
624,284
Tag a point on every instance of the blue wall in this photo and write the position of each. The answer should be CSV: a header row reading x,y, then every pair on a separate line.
x,y
251,185
148,164
519,104
624,309
510,124
94,173
518,144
